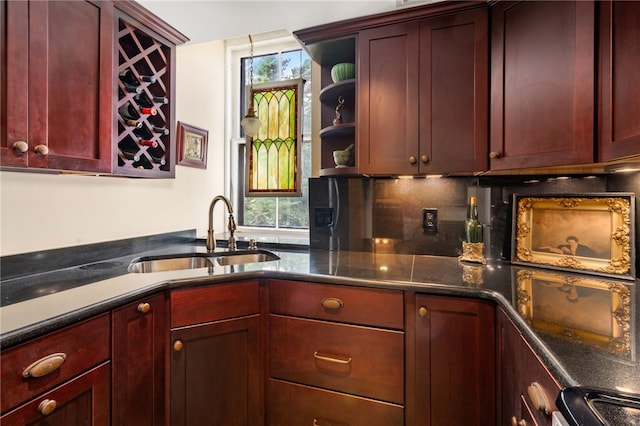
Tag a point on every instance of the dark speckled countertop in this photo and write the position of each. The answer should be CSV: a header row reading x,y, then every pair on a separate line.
x,y
593,341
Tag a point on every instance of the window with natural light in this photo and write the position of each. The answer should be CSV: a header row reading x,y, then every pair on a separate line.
x,y
273,62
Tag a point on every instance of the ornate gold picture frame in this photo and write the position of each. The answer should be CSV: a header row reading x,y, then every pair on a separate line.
x,y
591,233
595,312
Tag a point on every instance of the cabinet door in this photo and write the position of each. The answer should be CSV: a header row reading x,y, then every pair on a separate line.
x,y
455,355
14,84
68,79
216,374
619,104
454,86
78,402
140,333
388,99
542,84
520,369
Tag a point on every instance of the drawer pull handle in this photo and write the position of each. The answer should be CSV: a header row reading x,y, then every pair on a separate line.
x,y
316,422
47,406
144,308
177,345
331,359
423,312
538,398
44,366
332,303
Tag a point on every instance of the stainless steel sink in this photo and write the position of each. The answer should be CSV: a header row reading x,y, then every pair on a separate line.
x,y
242,257
169,262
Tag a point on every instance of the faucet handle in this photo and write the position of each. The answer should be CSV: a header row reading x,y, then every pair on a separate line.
x,y
252,244
232,243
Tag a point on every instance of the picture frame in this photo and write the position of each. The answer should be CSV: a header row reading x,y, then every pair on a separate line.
x,y
193,143
590,233
592,311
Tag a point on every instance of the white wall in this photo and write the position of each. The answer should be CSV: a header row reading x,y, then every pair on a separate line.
x,y
42,211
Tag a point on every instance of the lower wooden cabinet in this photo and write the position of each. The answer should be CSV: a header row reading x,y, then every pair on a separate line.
x,y
292,404
526,390
454,362
140,333
216,364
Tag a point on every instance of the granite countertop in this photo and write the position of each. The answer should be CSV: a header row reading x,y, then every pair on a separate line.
x,y
582,326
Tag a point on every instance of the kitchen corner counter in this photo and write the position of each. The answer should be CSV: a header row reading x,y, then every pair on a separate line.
x,y
596,347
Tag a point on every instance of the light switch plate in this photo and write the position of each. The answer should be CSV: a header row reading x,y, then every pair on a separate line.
x,y
430,220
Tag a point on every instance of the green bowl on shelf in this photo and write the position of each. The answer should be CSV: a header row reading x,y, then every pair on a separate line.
x,y
343,71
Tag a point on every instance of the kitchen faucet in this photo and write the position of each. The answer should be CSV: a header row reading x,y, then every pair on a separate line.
x,y
211,240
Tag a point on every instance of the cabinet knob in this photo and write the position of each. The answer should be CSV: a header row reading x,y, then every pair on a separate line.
x,y
20,146
412,159
177,345
144,308
422,311
332,303
424,158
47,406
495,154
538,398
45,365
41,149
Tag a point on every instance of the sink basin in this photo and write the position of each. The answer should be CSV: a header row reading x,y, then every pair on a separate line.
x,y
170,263
242,257
588,406
173,262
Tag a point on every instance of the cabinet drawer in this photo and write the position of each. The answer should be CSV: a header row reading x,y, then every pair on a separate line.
x,y
358,360
84,345
539,384
291,404
214,302
356,305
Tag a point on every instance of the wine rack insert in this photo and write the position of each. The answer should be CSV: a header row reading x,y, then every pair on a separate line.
x,y
145,137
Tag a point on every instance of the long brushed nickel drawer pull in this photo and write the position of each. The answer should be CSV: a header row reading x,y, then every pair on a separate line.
x,y
331,359
44,366
332,303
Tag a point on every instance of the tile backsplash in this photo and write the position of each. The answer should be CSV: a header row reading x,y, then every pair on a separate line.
x,y
386,215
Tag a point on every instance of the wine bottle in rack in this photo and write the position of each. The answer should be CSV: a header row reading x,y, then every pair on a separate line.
x,y
162,130
128,112
143,100
147,142
157,155
133,123
127,76
132,89
161,100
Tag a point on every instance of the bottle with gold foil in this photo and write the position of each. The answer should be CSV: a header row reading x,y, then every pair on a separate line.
x,y
472,227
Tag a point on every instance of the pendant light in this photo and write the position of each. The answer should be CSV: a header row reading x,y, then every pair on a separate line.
x,y
250,123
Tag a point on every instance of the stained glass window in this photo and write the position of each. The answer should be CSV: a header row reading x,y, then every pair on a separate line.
x,y
273,154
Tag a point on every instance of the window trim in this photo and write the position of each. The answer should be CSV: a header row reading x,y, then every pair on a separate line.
x,y
235,50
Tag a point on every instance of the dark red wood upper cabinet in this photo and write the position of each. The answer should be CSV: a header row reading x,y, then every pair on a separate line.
x,y
619,72
454,93
388,99
423,96
542,84
58,85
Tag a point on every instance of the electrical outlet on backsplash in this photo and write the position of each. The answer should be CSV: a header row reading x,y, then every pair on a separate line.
x,y
385,215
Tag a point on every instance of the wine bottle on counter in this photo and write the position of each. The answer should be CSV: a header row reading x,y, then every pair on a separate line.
x,y
127,76
472,227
